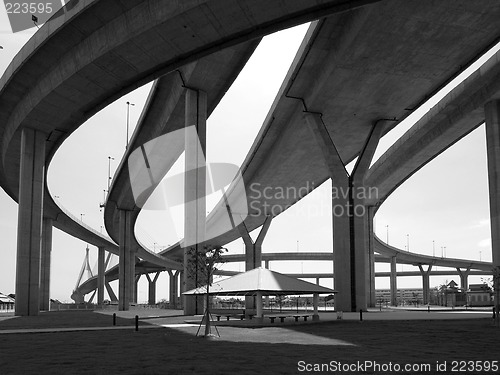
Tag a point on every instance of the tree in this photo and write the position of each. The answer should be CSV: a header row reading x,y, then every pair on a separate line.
x,y
201,267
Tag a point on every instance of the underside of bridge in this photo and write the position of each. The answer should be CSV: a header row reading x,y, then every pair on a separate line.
x,y
362,68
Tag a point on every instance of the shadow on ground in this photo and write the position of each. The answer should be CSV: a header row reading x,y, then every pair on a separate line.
x,y
246,350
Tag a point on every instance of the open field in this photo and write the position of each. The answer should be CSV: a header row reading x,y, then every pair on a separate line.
x,y
267,350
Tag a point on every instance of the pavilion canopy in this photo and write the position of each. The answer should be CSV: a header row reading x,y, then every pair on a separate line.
x,y
261,280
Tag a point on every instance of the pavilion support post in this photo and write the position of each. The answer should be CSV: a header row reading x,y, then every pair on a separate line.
x,y
315,306
259,311
29,227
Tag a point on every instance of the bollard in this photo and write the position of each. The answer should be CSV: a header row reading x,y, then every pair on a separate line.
x,y
360,315
136,323
114,319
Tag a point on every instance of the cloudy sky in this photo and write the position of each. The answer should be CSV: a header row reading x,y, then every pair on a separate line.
x,y
445,203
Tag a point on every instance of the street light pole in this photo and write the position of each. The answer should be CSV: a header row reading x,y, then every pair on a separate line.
x,y
109,167
81,217
408,242
387,228
433,249
128,116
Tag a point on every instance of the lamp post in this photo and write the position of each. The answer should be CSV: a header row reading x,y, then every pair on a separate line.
x,y
128,116
408,242
433,249
387,230
109,167
81,217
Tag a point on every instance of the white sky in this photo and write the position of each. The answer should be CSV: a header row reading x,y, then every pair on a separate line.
x,y
445,202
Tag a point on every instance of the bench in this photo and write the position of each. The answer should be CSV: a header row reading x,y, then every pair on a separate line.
x,y
227,313
250,316
299,316
273,318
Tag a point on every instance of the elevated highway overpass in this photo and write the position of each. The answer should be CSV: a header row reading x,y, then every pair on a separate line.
x,y
96,52
352,72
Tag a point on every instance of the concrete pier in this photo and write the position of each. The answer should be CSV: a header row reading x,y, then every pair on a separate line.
x,y
195,191
253,254
29,228
152,288
426,282
394,282
127,257
492,115
173,288
45,265
353,235
101,269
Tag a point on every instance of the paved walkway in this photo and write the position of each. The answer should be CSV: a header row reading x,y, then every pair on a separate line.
x,y
160,318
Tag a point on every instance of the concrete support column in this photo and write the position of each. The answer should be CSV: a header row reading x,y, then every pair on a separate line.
x,y
344,281
464,278
317,281
173,287
111,293
181,289
195,191
45,265
315,306
101,269
253,253
126,277
426,282
362,216
492,116
394,282
352,221
29,228
152,288
136,287
372,299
